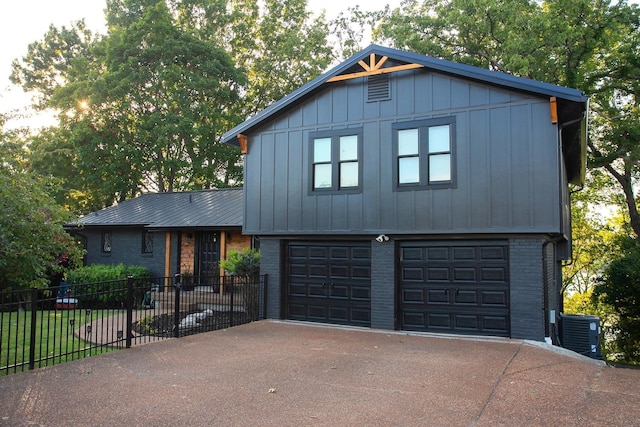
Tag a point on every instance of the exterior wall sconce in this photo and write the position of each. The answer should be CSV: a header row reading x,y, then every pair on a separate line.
x,y
188,238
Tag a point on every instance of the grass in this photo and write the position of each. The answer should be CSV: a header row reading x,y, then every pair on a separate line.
x,y
56,339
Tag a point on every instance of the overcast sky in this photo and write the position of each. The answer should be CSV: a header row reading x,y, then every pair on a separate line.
x,y
25,21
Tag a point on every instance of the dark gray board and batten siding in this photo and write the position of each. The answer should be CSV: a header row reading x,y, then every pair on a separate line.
x,y
506,163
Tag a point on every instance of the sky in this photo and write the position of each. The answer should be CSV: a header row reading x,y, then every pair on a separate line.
x,y
25,21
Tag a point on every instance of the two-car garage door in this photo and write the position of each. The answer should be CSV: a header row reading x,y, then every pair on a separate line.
x,y
441,286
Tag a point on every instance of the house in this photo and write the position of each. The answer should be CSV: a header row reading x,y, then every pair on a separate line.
x,y
169,233
399,191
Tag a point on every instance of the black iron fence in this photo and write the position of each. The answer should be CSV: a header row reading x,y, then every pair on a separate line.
x,y
42,327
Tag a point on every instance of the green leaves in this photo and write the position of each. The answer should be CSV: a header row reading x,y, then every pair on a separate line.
x,y
32,241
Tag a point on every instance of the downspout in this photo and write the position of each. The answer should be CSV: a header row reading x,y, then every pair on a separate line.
x,y
551,317
550,321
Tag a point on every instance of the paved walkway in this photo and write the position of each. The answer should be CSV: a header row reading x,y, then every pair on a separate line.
x,y
272,373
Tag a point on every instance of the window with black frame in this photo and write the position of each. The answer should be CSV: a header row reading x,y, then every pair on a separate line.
x,y
147,242
335,160
424,153
106,242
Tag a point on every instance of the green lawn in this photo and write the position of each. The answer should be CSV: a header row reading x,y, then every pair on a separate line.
x,y
56,341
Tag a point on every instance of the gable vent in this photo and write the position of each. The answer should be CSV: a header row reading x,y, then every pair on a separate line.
x,y
378,88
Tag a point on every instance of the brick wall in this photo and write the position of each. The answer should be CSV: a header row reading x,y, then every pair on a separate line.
x,y
270,253
383,285
187,252
526,292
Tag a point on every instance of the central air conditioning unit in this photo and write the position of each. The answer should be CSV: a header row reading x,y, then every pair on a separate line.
x,y
581,333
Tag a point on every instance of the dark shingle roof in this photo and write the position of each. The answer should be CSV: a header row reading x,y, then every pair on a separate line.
x,y
206,208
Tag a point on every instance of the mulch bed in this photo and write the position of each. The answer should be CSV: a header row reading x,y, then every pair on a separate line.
x,y
163,325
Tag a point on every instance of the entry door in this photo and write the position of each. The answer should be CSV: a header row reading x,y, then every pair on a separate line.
x,y
454,287
208,255
329,282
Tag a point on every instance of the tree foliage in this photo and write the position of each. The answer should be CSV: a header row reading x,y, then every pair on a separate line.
x,y
142,108
33,244
619,288
592,45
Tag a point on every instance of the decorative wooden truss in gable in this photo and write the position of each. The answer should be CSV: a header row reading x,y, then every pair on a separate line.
x,y
373,68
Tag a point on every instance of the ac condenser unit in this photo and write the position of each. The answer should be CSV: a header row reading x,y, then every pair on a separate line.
x,y
581,333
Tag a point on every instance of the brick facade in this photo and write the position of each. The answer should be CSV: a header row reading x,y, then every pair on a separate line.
x,y
526,290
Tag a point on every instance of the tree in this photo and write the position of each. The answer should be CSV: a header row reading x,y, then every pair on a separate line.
x,y
593,45
619,288
33,243
142,108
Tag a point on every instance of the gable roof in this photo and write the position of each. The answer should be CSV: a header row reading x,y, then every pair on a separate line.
x,y
504,80
222,208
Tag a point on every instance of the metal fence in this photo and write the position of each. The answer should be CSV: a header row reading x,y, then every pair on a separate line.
x,y
43,327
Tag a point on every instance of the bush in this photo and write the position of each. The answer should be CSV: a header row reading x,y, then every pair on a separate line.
x,y
619,288
245,263
105,286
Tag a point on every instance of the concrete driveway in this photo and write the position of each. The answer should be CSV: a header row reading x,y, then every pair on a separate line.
x,y
273,373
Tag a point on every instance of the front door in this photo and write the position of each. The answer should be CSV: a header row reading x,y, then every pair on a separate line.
x,y
208,255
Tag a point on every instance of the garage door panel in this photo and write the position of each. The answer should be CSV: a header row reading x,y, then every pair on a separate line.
x,y
361,293
495,298
363,254
409,273
492,274
466,297
316,290
498,324
464,253
409,254
339,291
465,274
437,296
464,288
361,272
436,254
497,253
438,274
329,282
466,322
440,321
413,296
297,289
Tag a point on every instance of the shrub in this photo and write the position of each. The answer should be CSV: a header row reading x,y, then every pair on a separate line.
x,y
245,263
104,286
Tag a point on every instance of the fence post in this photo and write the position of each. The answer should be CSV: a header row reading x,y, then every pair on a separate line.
x,y
264,296
233,291
129,304
34,319
176,308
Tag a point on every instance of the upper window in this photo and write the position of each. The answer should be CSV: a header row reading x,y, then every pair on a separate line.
x,y
335,160
106,242
147,242
424,153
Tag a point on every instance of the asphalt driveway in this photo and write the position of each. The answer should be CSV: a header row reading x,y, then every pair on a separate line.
x,y
272,373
